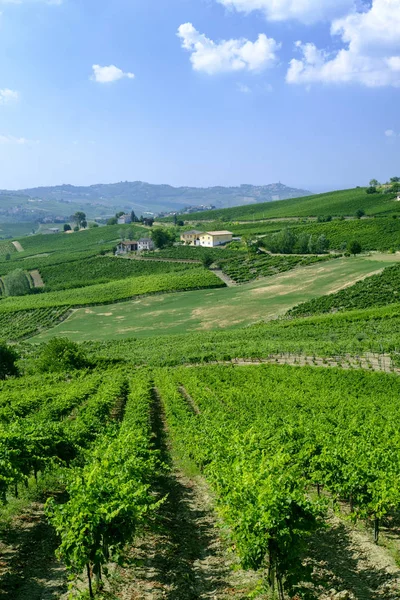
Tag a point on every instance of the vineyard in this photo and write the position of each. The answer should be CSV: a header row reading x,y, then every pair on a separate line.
x,y
26,323
113,291
378,290
340,203
102,269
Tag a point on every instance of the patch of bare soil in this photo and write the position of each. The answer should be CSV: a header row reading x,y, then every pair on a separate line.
x,y
37,279
28,568
17,246
347,565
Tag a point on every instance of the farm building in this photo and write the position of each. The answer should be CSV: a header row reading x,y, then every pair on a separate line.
x,y
215,238
124,220
127,246
145,244
191,237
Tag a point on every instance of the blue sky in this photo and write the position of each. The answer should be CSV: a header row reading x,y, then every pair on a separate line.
x,y
313,101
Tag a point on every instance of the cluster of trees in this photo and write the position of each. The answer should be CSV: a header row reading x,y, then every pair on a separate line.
x,y
391,187
16,283
288,242
163,237
148,221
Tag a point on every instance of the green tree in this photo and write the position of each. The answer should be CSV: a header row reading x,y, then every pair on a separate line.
x,y
8,357
16,283
302,243
162,237
61,354
395,180
181,223
112,221
322,244
67,227
79,218
372,190
134,218
207,260
374,183
355,247
130,234
119,214
360,213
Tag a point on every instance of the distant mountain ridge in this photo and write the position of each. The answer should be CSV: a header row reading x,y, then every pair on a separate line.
x,y
136,195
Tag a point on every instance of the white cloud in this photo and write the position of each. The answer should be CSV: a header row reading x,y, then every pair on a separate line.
x,y
109,74
372,55
16,141
228,55
306,11
390,133
7,96
243,88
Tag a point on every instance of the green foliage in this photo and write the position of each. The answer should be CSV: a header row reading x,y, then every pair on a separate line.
x,y
378,290
67,227
360,212
207,260
61,354
112,221
93,270
80,219
288,241
8,358
355,247
16,283
113,291
26,323
162,237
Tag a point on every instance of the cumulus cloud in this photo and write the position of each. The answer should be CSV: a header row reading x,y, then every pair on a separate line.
x,y
243,88
228,55
16,141
390,133
372,55
7,96
109,74
306,11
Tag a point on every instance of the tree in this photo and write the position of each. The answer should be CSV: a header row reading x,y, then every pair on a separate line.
x,y
134,218
112,221
16,283
372,190
360,213
121,234
8,357
162,237
302,243
322,244
84,224
76,228
312,246
61,354
148,221
207,261
79,218
130,234
374,183
67,227
395,180
355,247
119,214
180,223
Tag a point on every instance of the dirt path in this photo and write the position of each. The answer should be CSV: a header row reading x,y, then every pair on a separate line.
x,y
28,568
37,279
225,278
347,565
18,246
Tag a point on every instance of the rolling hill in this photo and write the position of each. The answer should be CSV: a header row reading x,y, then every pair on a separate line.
x,y
339,203
105,199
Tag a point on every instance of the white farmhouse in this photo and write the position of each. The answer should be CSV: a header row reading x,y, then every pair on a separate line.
x,y
210,239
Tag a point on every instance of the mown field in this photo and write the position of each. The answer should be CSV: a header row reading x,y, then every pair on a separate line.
x,y
220,308
340,203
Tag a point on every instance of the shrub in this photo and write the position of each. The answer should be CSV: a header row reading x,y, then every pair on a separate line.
x,y
355,247
8,358
61,354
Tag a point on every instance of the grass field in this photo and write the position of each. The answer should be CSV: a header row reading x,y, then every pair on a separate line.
x,y
216,309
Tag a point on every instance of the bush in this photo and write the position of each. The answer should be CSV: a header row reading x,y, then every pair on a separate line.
x,y
355,247
207,260
8,358
61,354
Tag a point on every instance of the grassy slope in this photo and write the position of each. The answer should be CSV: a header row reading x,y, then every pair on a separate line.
x,y
343,202
216,309
378,290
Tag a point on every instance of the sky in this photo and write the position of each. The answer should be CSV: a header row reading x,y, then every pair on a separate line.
x,y
199,92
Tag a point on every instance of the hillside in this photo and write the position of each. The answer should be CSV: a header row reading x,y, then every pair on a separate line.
x,y
336,204
105,199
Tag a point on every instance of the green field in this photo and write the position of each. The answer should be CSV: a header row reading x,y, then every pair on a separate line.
x,y
343,202
217,309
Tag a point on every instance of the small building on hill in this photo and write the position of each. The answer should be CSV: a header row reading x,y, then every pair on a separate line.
x,y
210,239
145,244
127,246
191,237
124,220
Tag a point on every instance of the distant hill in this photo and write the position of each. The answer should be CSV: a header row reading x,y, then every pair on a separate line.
x,y
336,204
105,199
